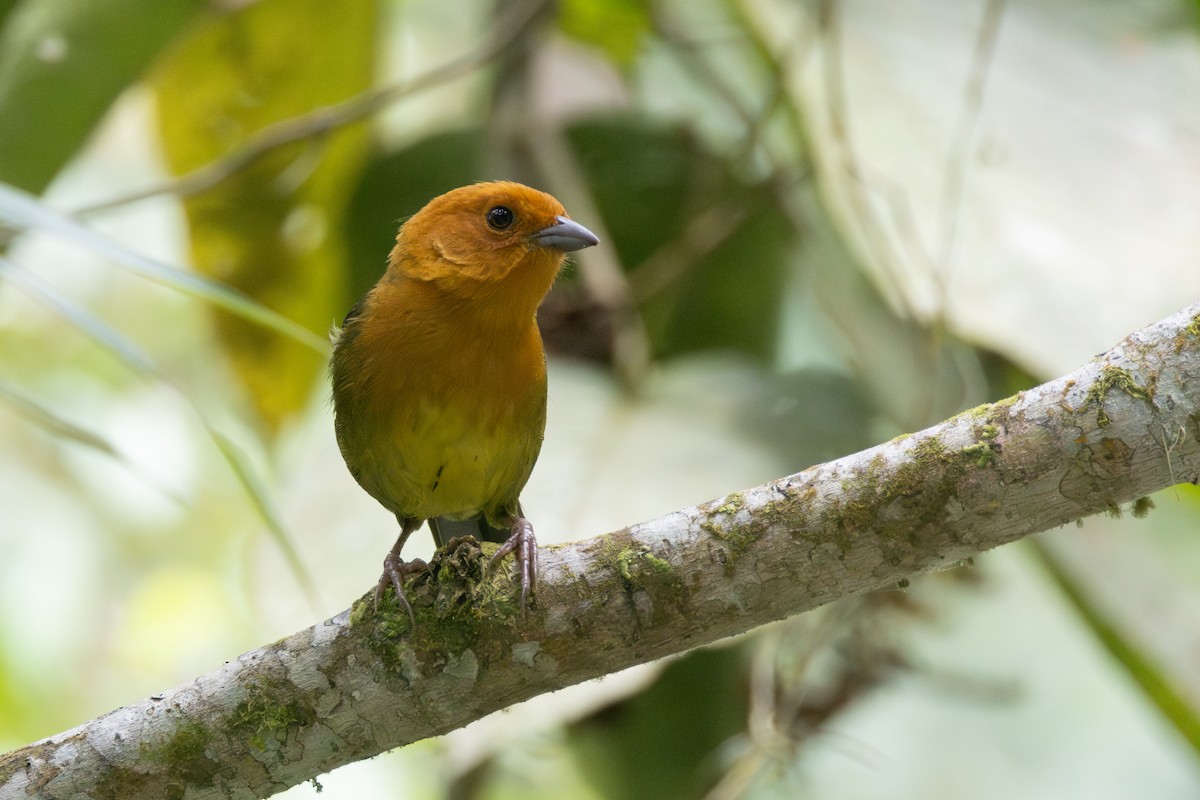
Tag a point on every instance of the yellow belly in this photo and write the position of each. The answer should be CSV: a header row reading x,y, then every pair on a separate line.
x,y
438,460
446,426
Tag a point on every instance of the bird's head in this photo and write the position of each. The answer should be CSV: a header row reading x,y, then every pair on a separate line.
x,y
499,243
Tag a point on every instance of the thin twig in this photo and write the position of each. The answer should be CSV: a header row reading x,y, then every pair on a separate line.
x,y
753,120
962,142
322,121
878,249
601,270
1180,436
779,68
703,233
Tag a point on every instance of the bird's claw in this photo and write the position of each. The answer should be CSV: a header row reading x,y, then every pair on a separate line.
x,y
394,571
523,543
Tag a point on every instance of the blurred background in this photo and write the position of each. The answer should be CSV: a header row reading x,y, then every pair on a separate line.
x,y
824,224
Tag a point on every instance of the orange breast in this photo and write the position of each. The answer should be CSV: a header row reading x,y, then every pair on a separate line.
x,y
448,411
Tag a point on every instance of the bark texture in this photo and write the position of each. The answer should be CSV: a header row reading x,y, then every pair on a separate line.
x,y
1124,425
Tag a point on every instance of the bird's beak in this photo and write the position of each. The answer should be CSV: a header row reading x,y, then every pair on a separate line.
x,y
565,235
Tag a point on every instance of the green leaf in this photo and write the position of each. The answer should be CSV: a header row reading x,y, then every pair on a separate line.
x,y
21,212
6,6
1153,681
615,26
707,252
62,63
98,332
272,230
731,297
663,742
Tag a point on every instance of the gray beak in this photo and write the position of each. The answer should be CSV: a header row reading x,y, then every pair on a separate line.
x,y
565,235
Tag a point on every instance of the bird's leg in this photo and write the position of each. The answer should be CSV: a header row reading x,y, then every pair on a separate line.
x,y
524,544
395,568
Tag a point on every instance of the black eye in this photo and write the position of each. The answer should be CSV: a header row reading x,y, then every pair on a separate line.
x,y
500,218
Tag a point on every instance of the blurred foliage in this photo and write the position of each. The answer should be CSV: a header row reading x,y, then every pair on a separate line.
x,y
615,26
1152,679
62,63
726,719
694,159
652,182
665,741
270,230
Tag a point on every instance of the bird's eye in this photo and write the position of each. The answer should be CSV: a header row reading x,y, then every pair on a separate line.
x,y
500,218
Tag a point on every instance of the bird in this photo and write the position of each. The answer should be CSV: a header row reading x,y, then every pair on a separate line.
x,y
439,372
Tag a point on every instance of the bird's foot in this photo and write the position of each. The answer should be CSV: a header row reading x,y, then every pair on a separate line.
x,y
523,543
394,571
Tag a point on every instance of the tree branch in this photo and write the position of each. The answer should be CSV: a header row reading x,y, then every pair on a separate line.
x,y
1124,425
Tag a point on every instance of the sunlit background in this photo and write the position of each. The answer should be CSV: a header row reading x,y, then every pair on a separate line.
x,y
824,224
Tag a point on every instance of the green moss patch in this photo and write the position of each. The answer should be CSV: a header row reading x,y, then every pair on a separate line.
x,y
1142,507
269,710
639,569
184,755
1112,378
458,604
1188,335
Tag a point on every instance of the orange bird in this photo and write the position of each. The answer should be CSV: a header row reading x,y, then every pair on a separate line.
x,y
439,374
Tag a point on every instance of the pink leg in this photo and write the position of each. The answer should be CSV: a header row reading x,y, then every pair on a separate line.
x,y
524,544
395,568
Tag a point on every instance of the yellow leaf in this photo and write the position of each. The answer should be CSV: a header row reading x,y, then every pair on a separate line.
x,y
273,229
